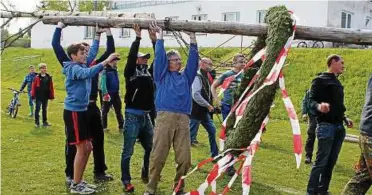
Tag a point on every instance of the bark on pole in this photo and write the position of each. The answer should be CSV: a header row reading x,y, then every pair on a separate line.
x,y
355,36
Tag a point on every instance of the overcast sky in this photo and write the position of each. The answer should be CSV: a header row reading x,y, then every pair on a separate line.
x,y
21,5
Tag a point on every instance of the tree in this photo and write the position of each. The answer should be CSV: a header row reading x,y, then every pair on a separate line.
x,y
71,5
54,5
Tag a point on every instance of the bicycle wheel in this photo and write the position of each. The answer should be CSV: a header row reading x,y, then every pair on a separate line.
x,y
15,111
318,44
302,44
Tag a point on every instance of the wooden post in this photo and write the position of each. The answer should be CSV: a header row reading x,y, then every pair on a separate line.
x,y
354,36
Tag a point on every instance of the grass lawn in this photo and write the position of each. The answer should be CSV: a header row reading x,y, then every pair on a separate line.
x,y
33,158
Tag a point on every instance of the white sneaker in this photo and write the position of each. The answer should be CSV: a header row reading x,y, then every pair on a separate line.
x,y
81,189
92,186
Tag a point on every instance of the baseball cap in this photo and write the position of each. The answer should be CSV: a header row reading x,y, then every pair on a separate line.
x,y
142,55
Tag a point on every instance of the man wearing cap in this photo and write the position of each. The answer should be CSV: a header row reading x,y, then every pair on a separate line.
x,y
110,89
139,100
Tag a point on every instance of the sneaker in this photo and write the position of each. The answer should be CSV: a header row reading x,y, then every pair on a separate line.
x,y
105,129
37,125
68,181
148,193
91,186
308,160
31,115
46,125
103,177
128,187
81,189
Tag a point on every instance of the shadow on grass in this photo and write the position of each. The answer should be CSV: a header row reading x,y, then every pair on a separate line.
x,y
41,131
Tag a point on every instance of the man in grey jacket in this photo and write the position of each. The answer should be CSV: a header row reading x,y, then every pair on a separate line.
x,y
362,180
202,101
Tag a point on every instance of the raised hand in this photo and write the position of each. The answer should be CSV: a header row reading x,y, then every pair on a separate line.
x,y
152,35
61,25
154,27
137,30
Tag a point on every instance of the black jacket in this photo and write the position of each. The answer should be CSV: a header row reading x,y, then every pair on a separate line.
x,y
328,89
139,83
199,112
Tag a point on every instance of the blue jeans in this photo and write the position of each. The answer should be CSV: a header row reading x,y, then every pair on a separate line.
x,y
211,129
330,138
225,110
30,102
136,126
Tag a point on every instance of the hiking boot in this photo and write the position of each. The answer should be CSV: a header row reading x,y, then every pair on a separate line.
x,y
128,187
81,189
308,160
103,177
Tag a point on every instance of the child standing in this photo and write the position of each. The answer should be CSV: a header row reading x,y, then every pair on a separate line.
x,y
28,81
42,90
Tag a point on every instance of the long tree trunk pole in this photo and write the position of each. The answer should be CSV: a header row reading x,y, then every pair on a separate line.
x,y
41,14
355,36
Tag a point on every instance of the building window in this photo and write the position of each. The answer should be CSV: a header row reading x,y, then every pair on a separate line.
x,y
368,23
88,32
231,17
124,33
260,18
346,19
200,17
169,33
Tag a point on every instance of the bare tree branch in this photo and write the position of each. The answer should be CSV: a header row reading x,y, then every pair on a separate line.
x,y
72,8
6,22
18,35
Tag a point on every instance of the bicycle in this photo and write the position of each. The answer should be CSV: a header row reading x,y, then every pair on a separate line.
x,y
316,44
14,103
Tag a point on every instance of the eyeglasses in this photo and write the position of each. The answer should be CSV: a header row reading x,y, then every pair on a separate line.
x,y
175,59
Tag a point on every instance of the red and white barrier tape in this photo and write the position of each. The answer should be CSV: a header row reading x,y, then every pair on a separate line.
x,y
239,107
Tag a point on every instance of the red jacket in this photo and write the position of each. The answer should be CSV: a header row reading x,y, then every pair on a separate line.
x,y
36,86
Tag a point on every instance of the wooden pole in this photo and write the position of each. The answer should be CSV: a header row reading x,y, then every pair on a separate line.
x,y
354,36
41,14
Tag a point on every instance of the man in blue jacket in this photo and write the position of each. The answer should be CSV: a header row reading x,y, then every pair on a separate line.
x,y
94,112
76,117
28,82
110,90
173,105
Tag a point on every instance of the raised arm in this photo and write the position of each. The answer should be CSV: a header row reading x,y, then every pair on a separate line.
x,y
161,60
130,68
192,61
79,72
56,44
110,46
152,36
93,51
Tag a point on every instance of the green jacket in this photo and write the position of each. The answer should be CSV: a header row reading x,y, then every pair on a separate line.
x,y
306,105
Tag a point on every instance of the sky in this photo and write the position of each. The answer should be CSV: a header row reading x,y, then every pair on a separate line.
x,y
21,5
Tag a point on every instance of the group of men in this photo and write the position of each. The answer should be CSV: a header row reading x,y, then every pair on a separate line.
x,y
182,100
324,105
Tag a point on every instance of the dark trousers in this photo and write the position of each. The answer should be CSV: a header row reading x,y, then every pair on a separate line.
x,y
309,147
96,129
116,103
330,139
41,103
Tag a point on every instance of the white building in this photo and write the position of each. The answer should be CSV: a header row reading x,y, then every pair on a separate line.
x,y
341,14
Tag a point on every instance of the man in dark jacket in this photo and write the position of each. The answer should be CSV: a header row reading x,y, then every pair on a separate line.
x,y
327,100
28,82
362,180
139,100
202,105
42,90
309,114
93,110
110,91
